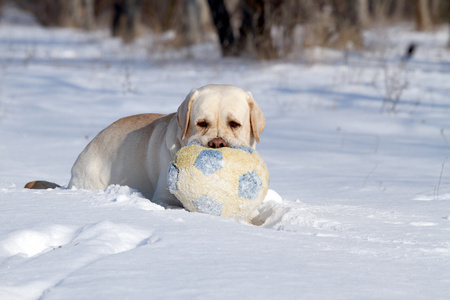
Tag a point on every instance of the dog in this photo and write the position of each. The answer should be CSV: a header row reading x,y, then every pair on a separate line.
x,y
136,151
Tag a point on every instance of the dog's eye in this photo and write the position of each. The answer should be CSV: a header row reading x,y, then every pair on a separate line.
x,y
234,124
202,124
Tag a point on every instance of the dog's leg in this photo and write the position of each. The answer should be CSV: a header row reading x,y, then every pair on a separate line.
x,y
41,185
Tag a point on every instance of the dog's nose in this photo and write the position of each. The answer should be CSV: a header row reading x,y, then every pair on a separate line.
x,y
217,143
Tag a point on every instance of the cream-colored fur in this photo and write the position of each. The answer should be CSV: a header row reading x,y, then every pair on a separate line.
x,y
137,150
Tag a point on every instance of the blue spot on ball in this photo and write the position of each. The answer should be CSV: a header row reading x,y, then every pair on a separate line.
x,y
172,178
249,185
193,143
209,161
208,205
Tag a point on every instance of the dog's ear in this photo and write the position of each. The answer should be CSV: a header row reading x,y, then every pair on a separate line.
x,y
257,120
184,112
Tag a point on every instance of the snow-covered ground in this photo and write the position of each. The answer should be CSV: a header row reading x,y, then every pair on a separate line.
x,y
359,206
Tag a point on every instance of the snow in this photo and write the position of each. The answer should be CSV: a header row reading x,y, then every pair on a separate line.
x,y
359,199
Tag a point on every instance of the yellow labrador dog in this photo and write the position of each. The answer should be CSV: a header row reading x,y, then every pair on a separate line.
x,y
137,150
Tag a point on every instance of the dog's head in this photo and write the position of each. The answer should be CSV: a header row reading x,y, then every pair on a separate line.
x,y
220,116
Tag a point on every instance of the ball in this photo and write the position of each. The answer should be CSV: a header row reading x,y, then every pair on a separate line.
x,y
228,182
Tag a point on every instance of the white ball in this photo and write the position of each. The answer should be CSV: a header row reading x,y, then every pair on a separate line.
x,y
229,182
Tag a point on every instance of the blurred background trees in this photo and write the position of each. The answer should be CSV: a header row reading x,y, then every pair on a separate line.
x,y
264,29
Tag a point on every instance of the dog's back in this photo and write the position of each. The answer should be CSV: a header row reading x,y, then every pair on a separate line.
x,y
92,169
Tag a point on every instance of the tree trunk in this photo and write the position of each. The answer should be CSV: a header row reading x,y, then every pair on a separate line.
x,y
193,32
125,19
221,20
88,22
333,23
254,30
423,18
363,13
348,28
262,13
77,13
399,12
